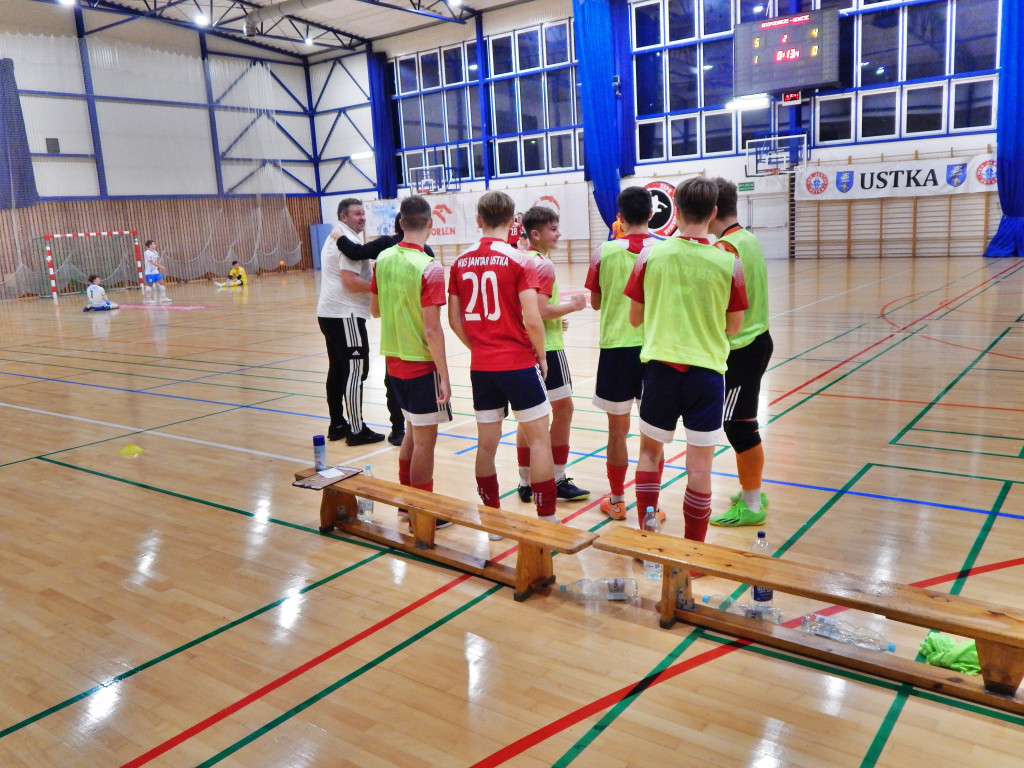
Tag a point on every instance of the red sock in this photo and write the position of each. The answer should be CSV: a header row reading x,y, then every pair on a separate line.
x,y
696,511
647,491
617,479
560,454
404,472
523,454
428,486
487,487
545,495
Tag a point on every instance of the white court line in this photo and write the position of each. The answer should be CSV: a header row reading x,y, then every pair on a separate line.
x,y
834,295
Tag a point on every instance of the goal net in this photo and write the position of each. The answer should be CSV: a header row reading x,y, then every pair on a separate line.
x,y
62,263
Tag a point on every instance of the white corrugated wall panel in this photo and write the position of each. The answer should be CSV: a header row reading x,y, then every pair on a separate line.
x,y
65,176
43,63
65,119
123,69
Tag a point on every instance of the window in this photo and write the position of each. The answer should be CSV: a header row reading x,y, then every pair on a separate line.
x,y
717,132
926,41
458,118
924,109
560,99
478,161
503,102
474,112
407,81
682,20
975,45
471,65
835,117
717,16
878,114
556,44
646,25
793,118
752,10
684,134
412,122
458,161
682,77
972,104
508,156
560,151
717,70
880,47
650,90
453,70
430,70
531,102
533,154
650,139
433,117
754,123
528,45
501,55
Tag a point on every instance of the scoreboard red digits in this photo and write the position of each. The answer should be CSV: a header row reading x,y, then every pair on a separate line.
x,y
787,53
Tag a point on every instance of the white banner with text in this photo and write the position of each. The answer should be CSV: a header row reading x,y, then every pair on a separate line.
x,y
455,213
946,176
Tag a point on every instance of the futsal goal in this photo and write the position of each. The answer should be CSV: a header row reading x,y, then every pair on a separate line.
x,y
68,259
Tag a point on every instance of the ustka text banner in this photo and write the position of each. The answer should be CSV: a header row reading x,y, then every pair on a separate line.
x,y
946,176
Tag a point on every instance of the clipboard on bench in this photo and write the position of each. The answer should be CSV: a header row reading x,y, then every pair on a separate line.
x,y
326,477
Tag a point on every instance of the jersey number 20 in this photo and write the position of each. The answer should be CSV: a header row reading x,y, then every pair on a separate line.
x,y
485,290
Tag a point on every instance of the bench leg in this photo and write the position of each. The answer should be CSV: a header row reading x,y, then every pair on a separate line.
x,y
335,504
1002,666
422,527
534,569
676,594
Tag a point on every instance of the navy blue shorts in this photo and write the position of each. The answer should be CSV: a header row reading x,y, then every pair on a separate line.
x,y
558,382
696,395
620,379
743,379
522,389
418,399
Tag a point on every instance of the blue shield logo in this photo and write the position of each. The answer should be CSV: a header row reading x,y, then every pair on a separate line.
x,y
844,181
956,174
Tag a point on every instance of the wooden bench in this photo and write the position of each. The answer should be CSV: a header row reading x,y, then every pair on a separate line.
x,y
997,631
537,539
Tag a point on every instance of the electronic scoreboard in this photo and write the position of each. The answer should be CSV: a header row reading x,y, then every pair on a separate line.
x,y
787,53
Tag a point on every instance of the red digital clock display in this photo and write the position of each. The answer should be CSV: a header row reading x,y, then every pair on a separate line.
x,y
786,53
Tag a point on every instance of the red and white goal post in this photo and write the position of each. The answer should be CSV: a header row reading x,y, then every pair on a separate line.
x,y
48,239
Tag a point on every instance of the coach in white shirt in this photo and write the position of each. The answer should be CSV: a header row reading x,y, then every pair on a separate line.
x,y
342,311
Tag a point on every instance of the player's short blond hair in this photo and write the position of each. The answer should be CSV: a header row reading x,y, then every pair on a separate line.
x,y
495,208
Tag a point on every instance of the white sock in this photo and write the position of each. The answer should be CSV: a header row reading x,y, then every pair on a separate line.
x,y
616,499
559,472
753,499
524,476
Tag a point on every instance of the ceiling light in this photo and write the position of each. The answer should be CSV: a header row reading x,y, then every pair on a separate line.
x,y
202,21
753,101
880,71
308,40
361,156
758,8
67,2
455,2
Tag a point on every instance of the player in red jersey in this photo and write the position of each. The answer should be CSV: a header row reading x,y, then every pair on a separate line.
x,y
493,309
516,235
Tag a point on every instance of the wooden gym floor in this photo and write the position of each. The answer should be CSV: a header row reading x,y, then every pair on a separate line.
x,y
178,608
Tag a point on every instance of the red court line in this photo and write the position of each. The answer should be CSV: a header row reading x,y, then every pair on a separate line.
x,y
919,402
275,684
886,338
516,748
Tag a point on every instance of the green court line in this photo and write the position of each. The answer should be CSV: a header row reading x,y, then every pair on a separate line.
x,y
850,372
906,444
945,390
324,693
968,434
816,346
181,648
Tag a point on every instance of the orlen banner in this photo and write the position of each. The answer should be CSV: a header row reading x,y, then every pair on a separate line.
x,y
455,214
946,176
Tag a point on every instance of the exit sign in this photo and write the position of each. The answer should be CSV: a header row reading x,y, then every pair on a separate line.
x,y
745,186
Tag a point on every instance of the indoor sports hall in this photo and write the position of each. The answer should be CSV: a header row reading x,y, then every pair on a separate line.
x,y
169,598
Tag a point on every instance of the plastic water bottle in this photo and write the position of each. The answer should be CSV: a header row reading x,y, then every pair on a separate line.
x,y
840,631
750,610
365,506
762,597
319,453
652,570
617,590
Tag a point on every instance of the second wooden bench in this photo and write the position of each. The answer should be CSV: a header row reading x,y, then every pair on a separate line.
x,y
997,631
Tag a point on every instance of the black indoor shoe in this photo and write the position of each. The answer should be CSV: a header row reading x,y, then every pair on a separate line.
x,y
396,437
339,433
365,436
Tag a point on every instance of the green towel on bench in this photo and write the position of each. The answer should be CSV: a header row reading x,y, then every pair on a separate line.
x,y
943,651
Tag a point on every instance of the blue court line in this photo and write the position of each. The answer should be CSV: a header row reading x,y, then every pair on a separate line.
x,y
507,434
227,373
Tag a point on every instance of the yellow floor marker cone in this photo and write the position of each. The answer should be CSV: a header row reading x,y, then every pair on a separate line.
x,y
130,451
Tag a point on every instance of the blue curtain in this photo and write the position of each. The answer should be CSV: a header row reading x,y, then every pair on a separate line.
x,y
1009,238
601,147
383,127
625,99
17,180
